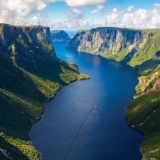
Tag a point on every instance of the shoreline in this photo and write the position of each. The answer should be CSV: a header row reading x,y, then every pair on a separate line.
x,y
134,68
40,158
135,87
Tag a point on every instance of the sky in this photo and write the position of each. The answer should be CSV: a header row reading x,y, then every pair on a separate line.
x,y
81,14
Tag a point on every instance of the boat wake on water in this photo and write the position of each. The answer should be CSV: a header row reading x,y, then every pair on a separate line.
x,y
94,108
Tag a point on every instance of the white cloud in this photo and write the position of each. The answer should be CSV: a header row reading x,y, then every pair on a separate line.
x,y
142,19
157,5
75,10
75,19
22,7
78,3
113,18
16,11
75,14
40,19
99,8
128,19
79,24
84,23
131,8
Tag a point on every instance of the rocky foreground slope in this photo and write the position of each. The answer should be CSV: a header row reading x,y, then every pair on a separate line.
x,y
140,49
30,73
59,36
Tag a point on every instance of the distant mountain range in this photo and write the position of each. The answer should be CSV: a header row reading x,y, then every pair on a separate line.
x,y
59,36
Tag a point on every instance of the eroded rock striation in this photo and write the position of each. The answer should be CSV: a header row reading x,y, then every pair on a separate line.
x,y
130,46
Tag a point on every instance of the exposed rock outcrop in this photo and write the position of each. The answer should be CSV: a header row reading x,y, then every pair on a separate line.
x,y
35,34
106,39
128,45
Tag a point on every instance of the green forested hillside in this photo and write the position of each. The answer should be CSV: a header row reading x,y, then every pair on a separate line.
x,y
30,73
143,113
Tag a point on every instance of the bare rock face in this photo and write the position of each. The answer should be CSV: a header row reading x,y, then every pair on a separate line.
x,y
36,34
157,87
27,47
150,83
110,41
105,39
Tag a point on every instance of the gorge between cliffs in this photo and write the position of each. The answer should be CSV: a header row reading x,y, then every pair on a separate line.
x,y
85,120
139,49
73,128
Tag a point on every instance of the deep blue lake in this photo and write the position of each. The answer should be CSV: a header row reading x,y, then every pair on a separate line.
x,y
72,128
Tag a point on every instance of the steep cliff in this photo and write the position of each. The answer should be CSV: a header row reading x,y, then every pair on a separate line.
x,y
59,36
30,73
140,49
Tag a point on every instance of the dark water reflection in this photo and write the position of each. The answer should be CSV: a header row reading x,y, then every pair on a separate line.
x,y
73,128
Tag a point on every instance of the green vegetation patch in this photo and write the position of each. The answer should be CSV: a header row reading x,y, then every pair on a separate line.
x,y
30,73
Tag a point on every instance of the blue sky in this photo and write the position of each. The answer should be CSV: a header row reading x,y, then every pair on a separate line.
x,y
81,14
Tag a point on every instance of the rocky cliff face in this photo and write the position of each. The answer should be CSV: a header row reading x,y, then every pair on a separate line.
x,y
105,39
59,36
39,35
30,73
150,83
128,45
23,47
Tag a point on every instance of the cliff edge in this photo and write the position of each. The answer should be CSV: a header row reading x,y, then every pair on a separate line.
x,y
30,73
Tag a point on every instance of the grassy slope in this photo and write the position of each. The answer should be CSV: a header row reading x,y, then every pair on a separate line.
x,y
144,106
27,78
143,113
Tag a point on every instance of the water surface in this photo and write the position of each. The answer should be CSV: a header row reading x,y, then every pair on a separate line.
x,y
73,128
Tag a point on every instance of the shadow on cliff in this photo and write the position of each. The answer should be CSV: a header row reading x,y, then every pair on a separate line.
x,y
129,56
12,151
22,100
148,66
